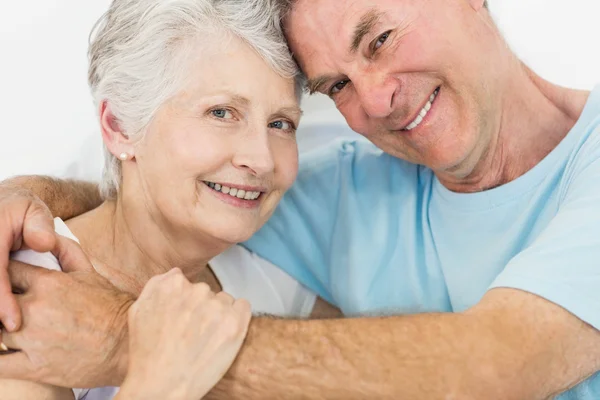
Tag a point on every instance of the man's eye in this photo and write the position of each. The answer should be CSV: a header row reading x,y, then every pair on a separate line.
x,y
222,113
381,40
283,125
338,87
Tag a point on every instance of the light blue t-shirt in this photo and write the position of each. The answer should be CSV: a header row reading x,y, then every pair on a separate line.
x,y
374,234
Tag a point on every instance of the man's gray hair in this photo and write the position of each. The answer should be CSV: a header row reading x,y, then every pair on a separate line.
x,y
286,5
140,51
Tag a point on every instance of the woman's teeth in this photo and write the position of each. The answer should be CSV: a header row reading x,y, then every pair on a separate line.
x,y
233,192
423,113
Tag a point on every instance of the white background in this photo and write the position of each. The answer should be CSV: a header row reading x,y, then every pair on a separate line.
x,y
46,113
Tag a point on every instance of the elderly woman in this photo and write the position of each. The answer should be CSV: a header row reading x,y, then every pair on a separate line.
x,y
198,108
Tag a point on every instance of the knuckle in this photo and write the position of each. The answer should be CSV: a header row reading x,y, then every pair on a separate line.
x,y
133,311
231,327
178,277
174,278
225,297
154,283
17,196
203,289
38,208
216,308
244,307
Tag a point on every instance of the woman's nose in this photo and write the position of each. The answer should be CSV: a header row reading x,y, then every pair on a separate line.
x,y
254,153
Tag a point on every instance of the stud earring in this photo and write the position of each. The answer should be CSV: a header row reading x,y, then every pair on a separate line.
x,y
124,156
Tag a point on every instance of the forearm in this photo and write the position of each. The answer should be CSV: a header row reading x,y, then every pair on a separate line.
x,y
400,357
64,198
431,356
25,390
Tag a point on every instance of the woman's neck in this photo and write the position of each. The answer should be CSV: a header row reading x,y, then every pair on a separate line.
x,y
128,246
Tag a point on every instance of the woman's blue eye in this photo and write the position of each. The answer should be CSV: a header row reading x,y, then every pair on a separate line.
x,y
381,40
222,113
284,125
338,87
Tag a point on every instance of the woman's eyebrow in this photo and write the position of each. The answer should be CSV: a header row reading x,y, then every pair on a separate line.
x,y
239,99
291,110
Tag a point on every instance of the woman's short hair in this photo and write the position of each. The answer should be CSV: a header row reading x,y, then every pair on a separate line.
x,y
137,49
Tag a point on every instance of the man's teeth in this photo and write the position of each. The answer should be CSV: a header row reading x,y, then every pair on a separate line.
x,y
233,192
417,121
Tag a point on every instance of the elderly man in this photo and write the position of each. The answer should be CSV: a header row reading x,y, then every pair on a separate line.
x,y
480,211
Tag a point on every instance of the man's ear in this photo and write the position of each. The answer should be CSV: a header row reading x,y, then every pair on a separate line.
x,y
116,141
477,5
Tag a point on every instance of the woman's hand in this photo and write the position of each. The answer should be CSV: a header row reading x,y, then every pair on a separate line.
x,y
183,338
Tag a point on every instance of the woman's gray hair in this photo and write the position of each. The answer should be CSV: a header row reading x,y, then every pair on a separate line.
x,y
138,47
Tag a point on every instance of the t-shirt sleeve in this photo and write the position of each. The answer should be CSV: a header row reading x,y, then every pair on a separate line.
x,y
297,238
563,264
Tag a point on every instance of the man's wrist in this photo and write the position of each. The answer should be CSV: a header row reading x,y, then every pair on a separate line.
x,y
120,356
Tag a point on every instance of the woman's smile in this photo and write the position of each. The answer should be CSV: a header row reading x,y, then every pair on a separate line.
x,y
241,196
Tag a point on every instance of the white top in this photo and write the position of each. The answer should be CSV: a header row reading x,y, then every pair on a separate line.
x,y
241,273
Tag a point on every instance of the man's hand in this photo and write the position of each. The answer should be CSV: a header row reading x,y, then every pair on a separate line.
x,y
182,338
74,331
24,221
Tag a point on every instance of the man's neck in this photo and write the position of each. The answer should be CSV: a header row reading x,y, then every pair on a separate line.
x,y
536,116
128,248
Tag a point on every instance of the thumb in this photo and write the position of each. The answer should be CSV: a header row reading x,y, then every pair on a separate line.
x,y
38,228
70,255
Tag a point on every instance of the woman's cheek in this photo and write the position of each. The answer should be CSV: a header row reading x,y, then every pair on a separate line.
x,y
287,162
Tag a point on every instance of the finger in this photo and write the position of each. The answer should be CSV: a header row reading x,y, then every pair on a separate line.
x,y
159,281
243,308
9,311
10,315
38,228
10,340
16,366
39,238
70,255
23,275
225,298
2,344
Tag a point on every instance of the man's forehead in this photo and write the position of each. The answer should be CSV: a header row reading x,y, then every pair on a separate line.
x,y
341,15
323,32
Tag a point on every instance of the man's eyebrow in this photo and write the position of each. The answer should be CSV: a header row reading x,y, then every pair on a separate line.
x,y
315,84
366,23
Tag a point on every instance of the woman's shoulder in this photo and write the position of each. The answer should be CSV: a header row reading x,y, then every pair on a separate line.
x,y
62,229
270,290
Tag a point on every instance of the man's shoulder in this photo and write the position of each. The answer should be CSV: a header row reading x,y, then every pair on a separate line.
x,y
586,147
356,162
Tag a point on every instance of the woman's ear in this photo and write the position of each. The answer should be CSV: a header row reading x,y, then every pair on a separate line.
x,y
116,141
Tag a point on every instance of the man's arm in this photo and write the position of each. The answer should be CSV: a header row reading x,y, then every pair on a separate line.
x,y
513,345
65,198
24,390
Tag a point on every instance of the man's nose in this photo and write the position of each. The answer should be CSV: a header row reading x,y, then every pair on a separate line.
x,y
376,94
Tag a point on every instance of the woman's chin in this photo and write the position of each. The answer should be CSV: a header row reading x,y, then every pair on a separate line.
x,y
231,236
